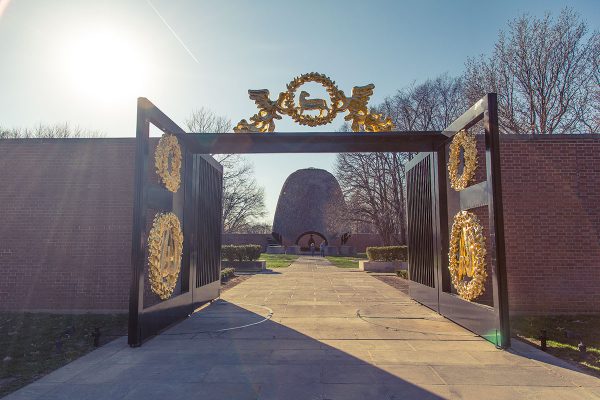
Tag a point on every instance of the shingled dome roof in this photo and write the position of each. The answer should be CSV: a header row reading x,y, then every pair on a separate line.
x,y
311,200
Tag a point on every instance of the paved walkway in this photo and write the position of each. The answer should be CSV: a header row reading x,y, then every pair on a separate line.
x,y
314,332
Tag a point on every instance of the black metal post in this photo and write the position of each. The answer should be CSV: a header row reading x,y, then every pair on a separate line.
x,y
496,215
139,224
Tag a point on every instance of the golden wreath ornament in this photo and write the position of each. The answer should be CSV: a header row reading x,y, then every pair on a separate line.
x,y
467,256
465,140
167,159
287,102
165,244
356,106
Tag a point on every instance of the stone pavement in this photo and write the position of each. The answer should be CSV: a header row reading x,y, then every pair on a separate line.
x,y
313,331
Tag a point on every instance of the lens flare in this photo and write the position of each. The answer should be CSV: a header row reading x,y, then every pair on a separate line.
x,y
105,64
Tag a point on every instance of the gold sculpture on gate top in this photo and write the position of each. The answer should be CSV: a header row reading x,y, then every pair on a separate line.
x,y
356,107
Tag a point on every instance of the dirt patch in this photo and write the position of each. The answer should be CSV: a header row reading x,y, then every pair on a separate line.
x,y
234,282
394,281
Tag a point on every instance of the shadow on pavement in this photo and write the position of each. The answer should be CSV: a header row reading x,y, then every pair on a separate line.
x,y
211,356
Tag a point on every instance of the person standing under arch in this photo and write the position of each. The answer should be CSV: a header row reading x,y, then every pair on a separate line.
x,y
322,248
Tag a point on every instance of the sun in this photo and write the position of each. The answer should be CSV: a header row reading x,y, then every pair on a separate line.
x,y
105,64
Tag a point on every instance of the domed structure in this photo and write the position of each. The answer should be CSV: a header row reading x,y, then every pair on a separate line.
x,y
310,208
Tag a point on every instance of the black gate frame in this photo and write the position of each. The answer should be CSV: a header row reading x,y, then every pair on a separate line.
x,y
197,204
145,322
432,205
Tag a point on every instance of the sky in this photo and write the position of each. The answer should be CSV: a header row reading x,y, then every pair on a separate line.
x,y
85,62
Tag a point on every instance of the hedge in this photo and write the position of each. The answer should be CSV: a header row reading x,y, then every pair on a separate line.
x,y
227,273
244,252
387,253
402,274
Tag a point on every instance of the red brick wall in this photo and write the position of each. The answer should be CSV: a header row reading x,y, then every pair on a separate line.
x,y
551,194
65,230
360,241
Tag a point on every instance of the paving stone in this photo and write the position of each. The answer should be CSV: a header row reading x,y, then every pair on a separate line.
x,y
499,375
458,345
352,391
264,373
102,391
344,373
203,391
294,391
416,374
36,390
314,346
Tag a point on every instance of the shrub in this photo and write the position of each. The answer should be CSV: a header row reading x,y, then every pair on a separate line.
x,y
228,252
227,273
387,253
249,252
253,251
402,273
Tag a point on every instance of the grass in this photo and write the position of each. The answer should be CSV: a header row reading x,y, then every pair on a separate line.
x,y
564,334
346,262
34,344
278,260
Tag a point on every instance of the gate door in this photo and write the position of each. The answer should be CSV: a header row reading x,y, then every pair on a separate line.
x,y
172,220
479,303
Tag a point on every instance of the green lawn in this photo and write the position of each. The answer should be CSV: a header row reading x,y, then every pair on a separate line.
x,y
34,344
564,334
346,262
278,260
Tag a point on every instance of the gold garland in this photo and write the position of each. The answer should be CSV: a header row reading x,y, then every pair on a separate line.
x,y
469,144
165,244
167,159
467,256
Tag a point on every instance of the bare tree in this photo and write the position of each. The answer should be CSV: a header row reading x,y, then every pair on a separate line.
x,y
374,183
204,120
45,131
263,228
243,198
429,106
545,72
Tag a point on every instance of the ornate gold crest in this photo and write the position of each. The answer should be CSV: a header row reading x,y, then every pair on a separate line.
x,y
467,256
356,106
165,244
167,160
467,141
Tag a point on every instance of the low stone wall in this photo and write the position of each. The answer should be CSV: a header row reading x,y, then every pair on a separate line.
x,y
244,266
382,266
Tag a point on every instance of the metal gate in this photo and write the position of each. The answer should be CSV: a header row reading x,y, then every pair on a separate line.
x,y
197,205
432,204
431,207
